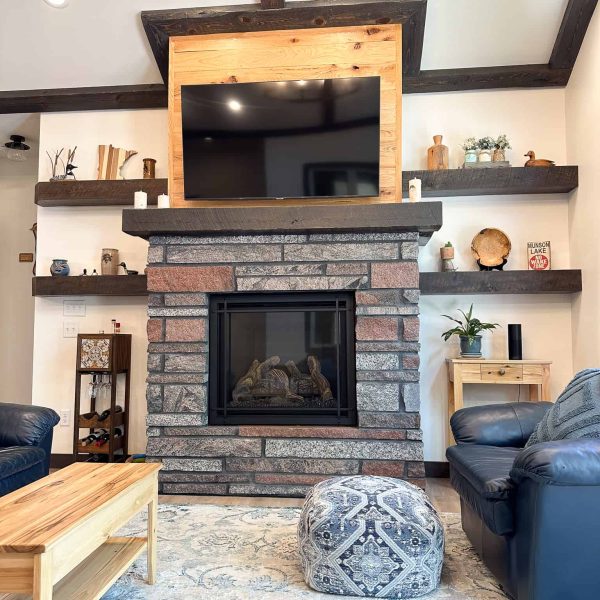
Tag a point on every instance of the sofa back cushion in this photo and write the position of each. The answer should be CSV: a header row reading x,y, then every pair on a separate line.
x,y
576,412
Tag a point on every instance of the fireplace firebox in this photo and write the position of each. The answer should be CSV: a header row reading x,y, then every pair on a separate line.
x,y
282,358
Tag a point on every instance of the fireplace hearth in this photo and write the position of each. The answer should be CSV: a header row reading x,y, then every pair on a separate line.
x,y
282,359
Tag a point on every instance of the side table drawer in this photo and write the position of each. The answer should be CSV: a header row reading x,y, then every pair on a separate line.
x,y
499,372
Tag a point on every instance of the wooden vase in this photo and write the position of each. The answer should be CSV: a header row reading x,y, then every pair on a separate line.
x,y
437,155
447,252
149,168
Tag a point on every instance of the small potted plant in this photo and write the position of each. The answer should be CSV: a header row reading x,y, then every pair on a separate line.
x,y
500,147
470,147
486,145
468,330
447,256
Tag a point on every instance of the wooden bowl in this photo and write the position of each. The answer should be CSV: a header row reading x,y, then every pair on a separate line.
x,y
490,247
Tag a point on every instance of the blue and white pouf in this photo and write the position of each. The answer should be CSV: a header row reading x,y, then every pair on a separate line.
x,y
370,536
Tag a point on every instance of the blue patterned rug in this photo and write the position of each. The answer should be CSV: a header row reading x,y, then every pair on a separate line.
x,y
243,553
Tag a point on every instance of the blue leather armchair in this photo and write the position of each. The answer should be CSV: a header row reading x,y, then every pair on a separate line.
x,y
532,515
25,444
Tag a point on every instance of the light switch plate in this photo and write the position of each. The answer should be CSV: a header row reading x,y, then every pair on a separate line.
x,y
65,417
74,308
70,329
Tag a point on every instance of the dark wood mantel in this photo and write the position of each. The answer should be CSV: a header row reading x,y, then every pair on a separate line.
x,y
422,217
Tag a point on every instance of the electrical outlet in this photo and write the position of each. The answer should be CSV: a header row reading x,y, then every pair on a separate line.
x,y
65,417
74,308
70,329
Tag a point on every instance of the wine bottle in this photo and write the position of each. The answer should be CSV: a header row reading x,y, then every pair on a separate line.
x,y
89,439
105,414
103,439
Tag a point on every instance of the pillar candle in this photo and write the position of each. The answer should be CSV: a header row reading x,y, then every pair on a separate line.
x,y
414,190
140,200
163,201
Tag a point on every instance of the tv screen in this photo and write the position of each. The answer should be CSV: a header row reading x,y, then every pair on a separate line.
x,y
281,139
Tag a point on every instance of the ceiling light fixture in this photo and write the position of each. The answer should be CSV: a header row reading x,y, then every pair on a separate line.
x,y
16,149
234,105
57,3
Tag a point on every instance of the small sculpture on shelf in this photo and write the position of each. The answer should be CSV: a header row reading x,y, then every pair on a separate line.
x,y
491,247
538,162
111,161
67,167
128,271
437,155
447,256
59,267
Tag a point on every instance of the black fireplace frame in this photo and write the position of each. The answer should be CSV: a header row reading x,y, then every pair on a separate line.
x,y
342,303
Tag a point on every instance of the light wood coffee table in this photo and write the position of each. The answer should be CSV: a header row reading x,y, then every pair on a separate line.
x,y
56,534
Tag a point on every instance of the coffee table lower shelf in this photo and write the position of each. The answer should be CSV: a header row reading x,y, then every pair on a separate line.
x,y
94,576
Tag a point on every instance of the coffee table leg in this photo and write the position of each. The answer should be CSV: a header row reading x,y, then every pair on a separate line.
x,y
42,577
152,522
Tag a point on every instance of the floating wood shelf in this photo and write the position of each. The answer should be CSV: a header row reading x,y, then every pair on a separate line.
x,y
493,181
90,285
97,192
566,281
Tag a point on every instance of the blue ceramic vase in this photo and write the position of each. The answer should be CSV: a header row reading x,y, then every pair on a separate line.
x,y
59,268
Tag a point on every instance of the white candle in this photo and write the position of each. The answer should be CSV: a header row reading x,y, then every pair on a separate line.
x,y
163,201
414,190
140,200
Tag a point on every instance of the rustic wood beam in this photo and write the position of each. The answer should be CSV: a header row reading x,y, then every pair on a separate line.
x,y
485,78
88,98
576,19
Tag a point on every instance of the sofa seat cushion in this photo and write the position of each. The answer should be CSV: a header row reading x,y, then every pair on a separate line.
x,y
480,474
15,459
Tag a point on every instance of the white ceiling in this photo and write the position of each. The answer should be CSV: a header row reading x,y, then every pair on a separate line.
x,y
102,42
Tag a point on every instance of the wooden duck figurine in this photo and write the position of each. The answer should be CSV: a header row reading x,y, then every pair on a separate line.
x,y
537,162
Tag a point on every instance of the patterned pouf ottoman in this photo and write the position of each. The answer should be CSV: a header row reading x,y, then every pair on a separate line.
x,y
370,536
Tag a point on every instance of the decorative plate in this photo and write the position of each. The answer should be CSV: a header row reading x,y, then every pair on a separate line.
x,y
490,247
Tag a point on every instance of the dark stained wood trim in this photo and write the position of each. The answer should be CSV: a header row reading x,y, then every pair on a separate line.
x,y
90,98
576,19
485,78
424,217
500,181
437,469
97,192
162,24
90,285
567,281
60,461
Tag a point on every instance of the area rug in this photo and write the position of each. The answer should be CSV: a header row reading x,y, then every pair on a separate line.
x,y
245,553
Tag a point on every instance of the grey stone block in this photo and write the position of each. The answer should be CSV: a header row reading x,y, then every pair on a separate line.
x,y
256,489
154,398
186,299
192,464
409,250
293,465
342,252
412,295
377,396
181,311
407,309
399,376
209,489
185,363
185,398
153,431
173,419
276,270
212,430
361,449
301,283
411,397
414,434
190,477
203,447
363,237
224,253
155,362
156,254
348,268
389,420
229,239
387,346
178,347
155,299
369,361
187,378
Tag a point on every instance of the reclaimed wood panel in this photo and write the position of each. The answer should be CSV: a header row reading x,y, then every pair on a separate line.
x,y
277,56
90,285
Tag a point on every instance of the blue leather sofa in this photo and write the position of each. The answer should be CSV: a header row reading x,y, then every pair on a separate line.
x,y
533,514
25,444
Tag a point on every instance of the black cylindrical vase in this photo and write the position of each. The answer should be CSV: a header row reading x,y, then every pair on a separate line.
x,y
515,342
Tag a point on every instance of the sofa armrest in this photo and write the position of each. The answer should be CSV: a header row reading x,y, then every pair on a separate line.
x,y
508,424
563,462
25,425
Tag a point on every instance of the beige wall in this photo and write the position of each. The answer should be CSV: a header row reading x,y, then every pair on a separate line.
x,y
17,214
583,131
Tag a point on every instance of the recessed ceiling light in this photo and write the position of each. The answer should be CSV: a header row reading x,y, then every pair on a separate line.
x,y
301,83
57,3
234,105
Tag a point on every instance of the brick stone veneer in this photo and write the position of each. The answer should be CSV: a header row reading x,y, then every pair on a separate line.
x,y
283,460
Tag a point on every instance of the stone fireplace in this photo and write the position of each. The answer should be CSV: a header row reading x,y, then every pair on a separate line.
x,y
255,418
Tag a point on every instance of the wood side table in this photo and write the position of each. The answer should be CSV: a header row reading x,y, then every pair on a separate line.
x,y
532,373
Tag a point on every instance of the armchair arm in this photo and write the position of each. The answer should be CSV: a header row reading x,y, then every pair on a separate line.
x,y
25,425
508,424
564,462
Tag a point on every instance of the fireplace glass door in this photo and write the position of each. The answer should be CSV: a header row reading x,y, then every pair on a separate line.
x,y
282,359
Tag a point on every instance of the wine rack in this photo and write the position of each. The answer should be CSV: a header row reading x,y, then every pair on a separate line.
x,y
101,355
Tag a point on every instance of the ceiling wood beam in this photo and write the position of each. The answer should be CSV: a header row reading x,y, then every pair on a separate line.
x,y
576,19
90,98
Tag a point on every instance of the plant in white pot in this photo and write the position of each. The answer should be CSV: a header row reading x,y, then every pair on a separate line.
x,y
470,147
486,145
468,330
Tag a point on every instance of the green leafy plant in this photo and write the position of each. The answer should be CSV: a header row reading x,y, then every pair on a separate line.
x,y
486,143
448,244
468,327
502,142
470,144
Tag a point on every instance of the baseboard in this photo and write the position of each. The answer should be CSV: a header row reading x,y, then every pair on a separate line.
x,y
59,461
437,469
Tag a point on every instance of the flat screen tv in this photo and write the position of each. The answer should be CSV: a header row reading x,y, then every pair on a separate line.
x,y
281,139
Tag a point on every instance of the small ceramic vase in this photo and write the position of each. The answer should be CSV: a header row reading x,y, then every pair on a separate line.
x,y
447,256
110,261
59,267
485,156
470,156
499,155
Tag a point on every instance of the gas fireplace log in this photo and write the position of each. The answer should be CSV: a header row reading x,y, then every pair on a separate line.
x,y
314,366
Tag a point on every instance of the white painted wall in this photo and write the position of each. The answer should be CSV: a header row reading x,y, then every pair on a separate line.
x,y
79,234
17,215
583,129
